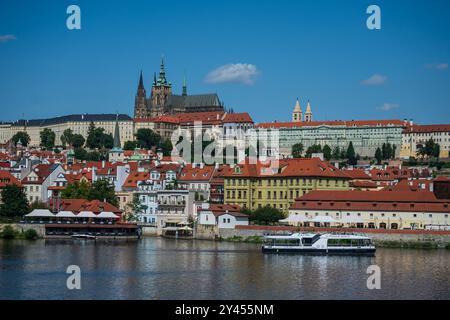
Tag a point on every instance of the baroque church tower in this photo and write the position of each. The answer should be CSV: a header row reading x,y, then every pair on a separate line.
x,y
308,113
297,113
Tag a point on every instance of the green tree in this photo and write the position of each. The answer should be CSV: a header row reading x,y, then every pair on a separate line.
x,y
98,139
147,138
436,150
394,150
350,154
15,202
8,232
80,154
31,234
76,190
167,147
104,191
66,137
297,150
47,138
378,155
130,145
388,151
266,215
107,141
336,153
315,148
21,136
327,152
136,207
77,141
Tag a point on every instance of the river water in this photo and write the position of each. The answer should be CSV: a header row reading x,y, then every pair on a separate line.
x,y
157,268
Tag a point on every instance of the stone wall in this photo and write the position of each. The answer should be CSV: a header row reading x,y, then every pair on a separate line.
x,y
206,232
438,238
40,228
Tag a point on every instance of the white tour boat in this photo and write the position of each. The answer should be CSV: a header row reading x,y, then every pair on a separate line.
x,y
321,244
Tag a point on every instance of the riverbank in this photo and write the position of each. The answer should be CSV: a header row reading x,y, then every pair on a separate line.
x,y
408,239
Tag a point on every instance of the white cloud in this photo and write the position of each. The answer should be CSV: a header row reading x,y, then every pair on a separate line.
x,y
375,80
233,72
437,66
388,106
7,37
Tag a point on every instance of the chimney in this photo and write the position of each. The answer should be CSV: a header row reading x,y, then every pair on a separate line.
x,y
411,122
202,165
193,165
103,164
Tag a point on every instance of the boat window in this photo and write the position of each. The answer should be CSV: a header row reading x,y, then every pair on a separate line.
x,y
283,242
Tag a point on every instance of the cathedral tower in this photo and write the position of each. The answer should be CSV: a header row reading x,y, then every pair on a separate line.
x,y
297,113
161,90
140,101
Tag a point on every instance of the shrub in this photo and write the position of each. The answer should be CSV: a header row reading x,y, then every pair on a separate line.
x,y
31,234
8,232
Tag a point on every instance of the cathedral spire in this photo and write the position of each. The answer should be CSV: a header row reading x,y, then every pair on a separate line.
x,y
184,86
141,82
162,72
116,144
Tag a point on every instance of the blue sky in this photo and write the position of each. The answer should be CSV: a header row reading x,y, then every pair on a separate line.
x,y
312,49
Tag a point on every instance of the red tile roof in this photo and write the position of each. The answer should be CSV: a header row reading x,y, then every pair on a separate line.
x,y
220,209
429,128
134,177
42,171
96,206
301,167
6,178
417,201
243,117
196,174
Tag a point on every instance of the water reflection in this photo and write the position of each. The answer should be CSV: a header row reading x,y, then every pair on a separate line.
x,y
156,268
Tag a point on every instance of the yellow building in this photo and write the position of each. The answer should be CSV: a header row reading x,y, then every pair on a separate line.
x,y
414,135
254,186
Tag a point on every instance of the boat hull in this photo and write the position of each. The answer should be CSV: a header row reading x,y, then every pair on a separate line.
x,y
315,251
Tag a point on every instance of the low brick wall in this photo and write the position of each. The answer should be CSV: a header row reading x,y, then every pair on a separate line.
x,y
439,238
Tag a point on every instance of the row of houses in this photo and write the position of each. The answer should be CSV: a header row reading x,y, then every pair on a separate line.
x,y
170,191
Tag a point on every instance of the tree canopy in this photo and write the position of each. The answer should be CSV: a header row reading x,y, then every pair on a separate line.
x,y
98,139
15,202
47,138
99,190
147,138
21,136
326,152
297,150
265,215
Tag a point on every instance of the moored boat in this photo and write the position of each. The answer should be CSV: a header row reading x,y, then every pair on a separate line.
x,y
83,236
319,244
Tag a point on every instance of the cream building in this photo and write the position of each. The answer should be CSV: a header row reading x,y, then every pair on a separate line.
x,y
414,135
78,123
372,209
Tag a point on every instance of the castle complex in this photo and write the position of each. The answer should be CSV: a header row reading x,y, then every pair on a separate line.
x,y
163,102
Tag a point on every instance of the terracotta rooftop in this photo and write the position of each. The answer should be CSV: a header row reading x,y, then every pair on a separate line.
x,y
353,200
